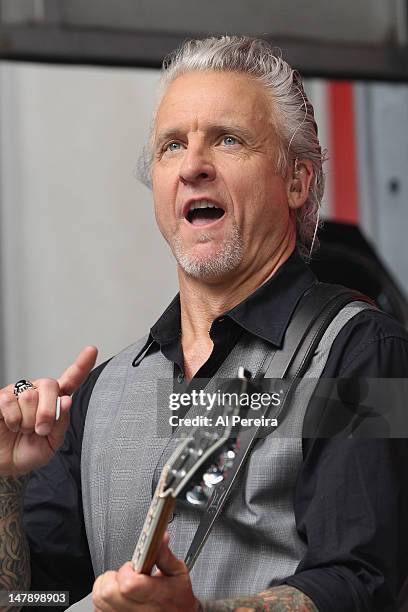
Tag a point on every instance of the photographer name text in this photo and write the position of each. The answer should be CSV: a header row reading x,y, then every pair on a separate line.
x,y
222,420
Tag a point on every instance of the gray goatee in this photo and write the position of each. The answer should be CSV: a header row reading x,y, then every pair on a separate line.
x,y
227,257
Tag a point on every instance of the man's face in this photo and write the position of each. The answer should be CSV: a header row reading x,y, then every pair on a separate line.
x,y
219,201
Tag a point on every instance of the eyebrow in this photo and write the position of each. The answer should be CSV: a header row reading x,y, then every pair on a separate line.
x,y
214,129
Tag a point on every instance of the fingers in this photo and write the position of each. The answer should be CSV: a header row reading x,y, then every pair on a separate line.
x,y
33,409
19,414
39,411
28,402
47,395
36,409
167,562
10,409
158,592
138,587
126,590
106,595
77,373
141,588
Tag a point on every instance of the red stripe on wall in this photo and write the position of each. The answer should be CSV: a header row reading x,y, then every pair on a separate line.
x,y
343,152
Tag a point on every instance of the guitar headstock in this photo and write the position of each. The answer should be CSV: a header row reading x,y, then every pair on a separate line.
x,y
202,461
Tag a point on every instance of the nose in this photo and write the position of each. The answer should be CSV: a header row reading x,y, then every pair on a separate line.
x,y
197,166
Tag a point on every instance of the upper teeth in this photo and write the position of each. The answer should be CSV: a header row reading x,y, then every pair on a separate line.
x,y
202,204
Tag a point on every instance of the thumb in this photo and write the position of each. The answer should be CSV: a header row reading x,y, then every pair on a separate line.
x,y
77,372
167,562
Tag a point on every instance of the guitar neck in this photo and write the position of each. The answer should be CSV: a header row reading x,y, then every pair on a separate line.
x,y
206,455
154,527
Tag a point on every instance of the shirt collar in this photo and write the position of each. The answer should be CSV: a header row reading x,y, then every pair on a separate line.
x,y
268,310
265,313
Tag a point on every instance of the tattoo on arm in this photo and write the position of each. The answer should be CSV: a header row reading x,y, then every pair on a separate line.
x,y
14,551
277,599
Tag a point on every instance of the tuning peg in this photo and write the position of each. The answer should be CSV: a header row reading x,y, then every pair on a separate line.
x,y
197,496
227,459
195,452
213,477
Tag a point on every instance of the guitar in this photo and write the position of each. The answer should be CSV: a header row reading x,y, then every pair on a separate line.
x,y
200,463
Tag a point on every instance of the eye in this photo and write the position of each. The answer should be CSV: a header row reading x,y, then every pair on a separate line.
x,y
172,146
230,140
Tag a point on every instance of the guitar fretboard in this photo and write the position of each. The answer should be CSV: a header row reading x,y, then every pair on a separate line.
x,y
150,527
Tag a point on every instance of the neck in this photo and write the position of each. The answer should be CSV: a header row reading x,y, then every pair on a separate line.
x,y
202,301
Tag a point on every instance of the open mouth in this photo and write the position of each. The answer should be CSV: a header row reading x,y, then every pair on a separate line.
x,y
203,212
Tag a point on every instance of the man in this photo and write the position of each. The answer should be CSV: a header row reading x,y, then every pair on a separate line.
x,y
236,171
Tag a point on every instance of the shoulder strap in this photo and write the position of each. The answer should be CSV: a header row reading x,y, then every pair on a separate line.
x,y
315,311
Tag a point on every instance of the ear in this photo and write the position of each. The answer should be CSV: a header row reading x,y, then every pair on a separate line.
x,y
298,182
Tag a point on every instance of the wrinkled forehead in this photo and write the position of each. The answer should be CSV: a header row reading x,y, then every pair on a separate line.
x,y
205,96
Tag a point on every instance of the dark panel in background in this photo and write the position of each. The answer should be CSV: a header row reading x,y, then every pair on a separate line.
x,y
344,39
346,257
358,21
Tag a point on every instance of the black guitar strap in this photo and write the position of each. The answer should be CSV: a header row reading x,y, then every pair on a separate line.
x,y
314,313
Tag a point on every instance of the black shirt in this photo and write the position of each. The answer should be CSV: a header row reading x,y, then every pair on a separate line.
x,y
351,496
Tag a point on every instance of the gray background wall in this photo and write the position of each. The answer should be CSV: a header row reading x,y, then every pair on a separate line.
x,y
81,260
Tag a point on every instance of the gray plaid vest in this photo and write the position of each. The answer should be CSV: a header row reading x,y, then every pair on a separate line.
x,y
254,544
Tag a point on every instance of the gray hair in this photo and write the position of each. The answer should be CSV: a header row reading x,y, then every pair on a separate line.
x,y
297,129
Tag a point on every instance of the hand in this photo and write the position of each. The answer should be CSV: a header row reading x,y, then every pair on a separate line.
x,y
169,589
29,433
